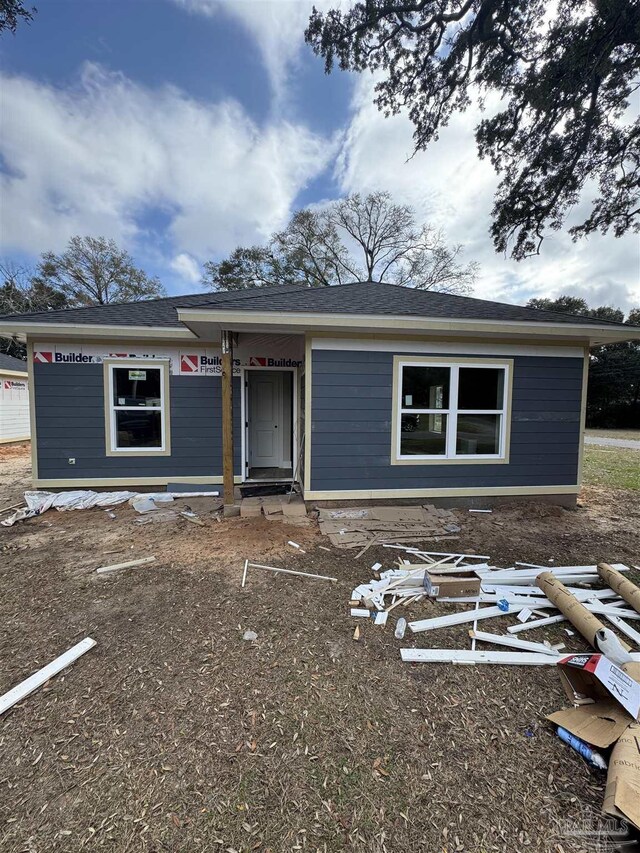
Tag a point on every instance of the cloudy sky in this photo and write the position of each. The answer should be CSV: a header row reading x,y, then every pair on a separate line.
x,y
182,128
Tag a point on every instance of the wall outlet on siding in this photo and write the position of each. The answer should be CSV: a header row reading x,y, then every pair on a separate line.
x,y
72,460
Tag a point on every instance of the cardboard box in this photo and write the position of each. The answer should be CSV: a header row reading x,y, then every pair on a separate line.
x,y
599,724
608,706
451,586
594,678
622,794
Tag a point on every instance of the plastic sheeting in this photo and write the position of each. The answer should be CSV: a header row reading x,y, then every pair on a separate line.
x,y
39,502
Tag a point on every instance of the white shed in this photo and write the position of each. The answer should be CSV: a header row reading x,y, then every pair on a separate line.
x,y
14,400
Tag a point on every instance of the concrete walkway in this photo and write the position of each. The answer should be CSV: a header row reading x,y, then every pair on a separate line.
x,y
612,442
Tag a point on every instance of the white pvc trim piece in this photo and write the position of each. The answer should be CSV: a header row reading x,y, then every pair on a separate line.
x,y
462,656
22,690
461,618
291,572
537,623
625,629
513,642
609,610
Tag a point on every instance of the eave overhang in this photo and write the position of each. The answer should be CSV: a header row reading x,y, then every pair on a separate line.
x,y
21,331
203,321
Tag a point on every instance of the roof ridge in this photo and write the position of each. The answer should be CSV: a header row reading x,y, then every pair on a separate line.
x,y
260,291
257,292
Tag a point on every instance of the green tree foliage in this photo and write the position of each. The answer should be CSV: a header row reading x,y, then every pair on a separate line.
x,y
358,238
94,271
564,70
22,292
11,12
613,395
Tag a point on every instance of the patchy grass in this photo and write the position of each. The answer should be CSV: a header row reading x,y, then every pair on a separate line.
x,y
625,434
613,467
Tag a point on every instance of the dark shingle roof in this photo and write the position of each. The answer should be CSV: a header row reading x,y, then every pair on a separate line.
x,y
391,299
151,312
8,362
373,298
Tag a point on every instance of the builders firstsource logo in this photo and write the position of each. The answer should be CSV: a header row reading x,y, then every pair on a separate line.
x,y
47,357
188,364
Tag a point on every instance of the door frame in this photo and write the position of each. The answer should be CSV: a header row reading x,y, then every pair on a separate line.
x,y
244,410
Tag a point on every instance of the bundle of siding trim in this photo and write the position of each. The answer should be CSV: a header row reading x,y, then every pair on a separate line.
x,y
406,584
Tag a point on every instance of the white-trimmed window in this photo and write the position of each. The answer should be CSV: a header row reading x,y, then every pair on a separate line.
x,y
451,410
137,405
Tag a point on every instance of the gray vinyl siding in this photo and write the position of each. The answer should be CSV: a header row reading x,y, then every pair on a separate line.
x,y
70,422
351,412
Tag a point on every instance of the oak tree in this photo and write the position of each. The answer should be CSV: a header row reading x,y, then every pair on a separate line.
x,y
564,73
94,271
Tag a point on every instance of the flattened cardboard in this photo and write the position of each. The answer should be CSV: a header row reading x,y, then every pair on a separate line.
x,y
593,678
451,586
600,723
622,794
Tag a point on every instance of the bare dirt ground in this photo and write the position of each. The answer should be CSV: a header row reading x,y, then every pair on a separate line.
x,y
175,734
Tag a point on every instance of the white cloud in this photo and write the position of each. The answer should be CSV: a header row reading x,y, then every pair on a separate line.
x,y
450,185
96,158
186,267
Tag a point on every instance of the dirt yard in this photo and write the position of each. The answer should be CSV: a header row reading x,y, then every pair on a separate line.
x,y
175,734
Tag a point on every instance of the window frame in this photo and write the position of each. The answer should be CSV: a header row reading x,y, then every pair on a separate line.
x,y
110,408
450,457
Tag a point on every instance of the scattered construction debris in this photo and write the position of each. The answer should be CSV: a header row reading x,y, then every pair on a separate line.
x,y
144,561
283,508
248,565
149,503
364,527
604,687
26,687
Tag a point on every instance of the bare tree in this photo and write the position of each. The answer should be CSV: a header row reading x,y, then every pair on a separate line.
x,y
314,249
22,292
358,238
94,271
396,249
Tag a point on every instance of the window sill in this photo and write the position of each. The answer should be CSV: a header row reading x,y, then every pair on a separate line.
x,y
444,460
138,451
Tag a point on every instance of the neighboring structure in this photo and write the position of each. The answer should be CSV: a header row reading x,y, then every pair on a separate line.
x,y
359,391
14,400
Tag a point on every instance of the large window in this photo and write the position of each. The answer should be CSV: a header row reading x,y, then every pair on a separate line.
x,y
450,411
137,405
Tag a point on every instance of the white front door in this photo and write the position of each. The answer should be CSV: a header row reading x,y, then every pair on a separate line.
x,y
265,414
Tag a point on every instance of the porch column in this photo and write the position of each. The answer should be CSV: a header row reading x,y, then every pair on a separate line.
x,y
227,422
